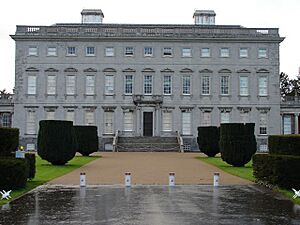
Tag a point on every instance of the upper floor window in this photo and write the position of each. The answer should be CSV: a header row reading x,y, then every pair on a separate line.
x,y
205,82
90,85
129,51
186,52
262,53
51,51
186,85
33,51
90,51
244,86
51,84
70,85
167,85
31,85
109,51
224,52
167,51
205,52
109,85
71,51
243,52
128,84
148,84
262,86
148,51
224,85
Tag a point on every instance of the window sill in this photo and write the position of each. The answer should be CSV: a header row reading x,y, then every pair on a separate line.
x,y
51,55
90,55
71,55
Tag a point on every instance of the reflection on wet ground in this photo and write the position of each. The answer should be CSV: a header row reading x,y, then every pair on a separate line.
x,y
151,205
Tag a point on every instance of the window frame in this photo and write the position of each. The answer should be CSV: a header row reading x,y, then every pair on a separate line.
x,y
261,87
244,52
241,88
90,85
202,85
90,53
51,86
167,85
167,52
33,53
109,51
31,85
167,121
147,85
205,52
129,51
186,54
129,85
109,85
260,55
186,85
148,54
51,53
71,51
224,86
70,88
222,55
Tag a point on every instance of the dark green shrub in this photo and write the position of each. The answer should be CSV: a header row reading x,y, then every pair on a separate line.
x,y
87,139
208,140
9,140
284,144
13,173
237,143
56,141
281,170
30,158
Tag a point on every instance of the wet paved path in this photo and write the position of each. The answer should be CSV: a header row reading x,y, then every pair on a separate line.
x,y
151,205
148,168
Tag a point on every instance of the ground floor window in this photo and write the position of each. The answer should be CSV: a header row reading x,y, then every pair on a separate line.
x,y
287,124
70,115
206,119
128,121
5,119
108,117
30,122
89,117
186,123
167,121
263,123
225,117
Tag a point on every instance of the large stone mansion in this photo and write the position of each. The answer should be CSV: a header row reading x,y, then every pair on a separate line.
x,y
147,80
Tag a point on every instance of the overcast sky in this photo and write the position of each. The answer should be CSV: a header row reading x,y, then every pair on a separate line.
x,y
282,14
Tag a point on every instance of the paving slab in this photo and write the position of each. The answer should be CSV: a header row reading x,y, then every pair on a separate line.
x,y
151,205
148,168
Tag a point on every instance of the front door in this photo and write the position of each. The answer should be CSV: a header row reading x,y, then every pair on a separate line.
x,y
148,124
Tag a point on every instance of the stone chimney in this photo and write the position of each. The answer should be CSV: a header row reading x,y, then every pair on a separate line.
x,y
92,16
204,17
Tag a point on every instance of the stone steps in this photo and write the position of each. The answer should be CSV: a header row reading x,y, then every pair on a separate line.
x,y
147,144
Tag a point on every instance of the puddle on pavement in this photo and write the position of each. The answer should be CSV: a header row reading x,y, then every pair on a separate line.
x,y
151,205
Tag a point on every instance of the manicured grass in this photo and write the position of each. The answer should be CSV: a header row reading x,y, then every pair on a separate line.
x,y
46,172
243,172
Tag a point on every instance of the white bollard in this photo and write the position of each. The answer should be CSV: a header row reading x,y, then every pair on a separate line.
x,y
82,180
127,179
216,179
171,179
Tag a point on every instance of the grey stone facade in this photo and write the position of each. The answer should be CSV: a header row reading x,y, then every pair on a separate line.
x,y
182,55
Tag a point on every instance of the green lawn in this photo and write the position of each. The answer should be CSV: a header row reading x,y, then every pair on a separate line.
x,y
243,172
46,172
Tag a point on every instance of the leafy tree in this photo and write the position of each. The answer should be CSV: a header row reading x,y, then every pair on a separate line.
x,y
284,84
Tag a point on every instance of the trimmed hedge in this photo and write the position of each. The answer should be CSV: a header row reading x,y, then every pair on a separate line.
x,y
9,140
56,141
13,173
30,159
208,140
237,143
284,144
87,139
281,170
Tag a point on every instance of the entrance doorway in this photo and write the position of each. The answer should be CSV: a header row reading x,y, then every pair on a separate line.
x,y
148,124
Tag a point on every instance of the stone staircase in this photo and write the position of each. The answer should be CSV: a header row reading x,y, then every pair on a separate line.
x,y
148,144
